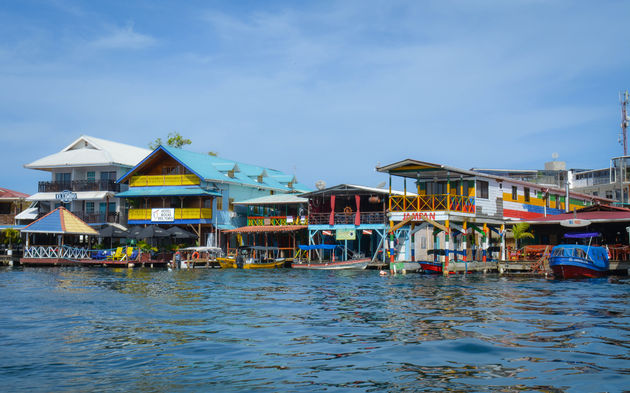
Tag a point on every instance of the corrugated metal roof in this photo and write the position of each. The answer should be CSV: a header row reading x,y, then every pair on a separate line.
x,y
351,187
268,228
5,193
166,191
91,151
276,199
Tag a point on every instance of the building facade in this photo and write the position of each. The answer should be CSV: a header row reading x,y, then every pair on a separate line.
x,y
198,191
11,204
82,178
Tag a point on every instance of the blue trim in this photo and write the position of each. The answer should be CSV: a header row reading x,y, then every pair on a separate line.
x,y
159,148
347,226
136,222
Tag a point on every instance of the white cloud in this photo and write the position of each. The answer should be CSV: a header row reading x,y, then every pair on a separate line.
x,y
124,38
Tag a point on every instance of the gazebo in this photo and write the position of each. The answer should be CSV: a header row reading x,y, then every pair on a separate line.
x,y
61,224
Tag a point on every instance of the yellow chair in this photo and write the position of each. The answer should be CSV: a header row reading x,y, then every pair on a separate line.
x,y
117,255
127,255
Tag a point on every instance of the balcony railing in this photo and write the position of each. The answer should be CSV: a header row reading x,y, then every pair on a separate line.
x,y
164,180
78,185
180,214
456,203
347,218
92,218
276,220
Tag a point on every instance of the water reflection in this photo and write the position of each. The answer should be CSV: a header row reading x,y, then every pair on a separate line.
x,y
284,330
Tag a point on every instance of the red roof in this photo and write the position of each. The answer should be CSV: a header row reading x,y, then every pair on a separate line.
x,y
5,193
267,228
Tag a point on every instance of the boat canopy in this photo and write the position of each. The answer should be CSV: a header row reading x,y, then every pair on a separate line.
x,y
318,247
582,235
596,254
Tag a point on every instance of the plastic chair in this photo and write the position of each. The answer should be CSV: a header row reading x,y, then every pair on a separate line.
x,y
117,255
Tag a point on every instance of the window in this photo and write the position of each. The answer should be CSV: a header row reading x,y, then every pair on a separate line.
x,y
526,193
423,242
108,175
219,203
91,176
231,204
63,177
514,193
170,170
89,207
482,189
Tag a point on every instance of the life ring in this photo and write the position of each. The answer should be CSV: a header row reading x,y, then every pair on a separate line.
x,y
195,255
347,210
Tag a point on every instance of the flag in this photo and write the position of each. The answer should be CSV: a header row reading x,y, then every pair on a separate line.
x,y
367,231
327,233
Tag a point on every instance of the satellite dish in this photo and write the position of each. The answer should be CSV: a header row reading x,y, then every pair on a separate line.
x,y
381,184
320,184
554,155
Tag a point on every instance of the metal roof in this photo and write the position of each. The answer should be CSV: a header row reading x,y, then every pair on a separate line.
x,y
60,221
91,151
353,188
268,228
166,191
5,193
276,199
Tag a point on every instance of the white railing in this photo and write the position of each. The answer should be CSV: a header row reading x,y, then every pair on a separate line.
x,y
55,252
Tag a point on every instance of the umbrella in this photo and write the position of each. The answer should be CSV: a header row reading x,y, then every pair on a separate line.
x,y
152,231
134,231
112,231
179,233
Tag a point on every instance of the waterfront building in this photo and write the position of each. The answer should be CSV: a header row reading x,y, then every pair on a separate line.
x,y
611,183
11,203
83,179
173,186
279,220
352,216
463,213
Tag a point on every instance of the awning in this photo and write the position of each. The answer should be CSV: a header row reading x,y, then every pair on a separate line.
x,y
166,191
81,196
268,228
28,214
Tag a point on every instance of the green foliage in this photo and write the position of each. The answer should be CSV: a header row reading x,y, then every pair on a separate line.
x,y
145,247
520,232
174,140
213,153
10,235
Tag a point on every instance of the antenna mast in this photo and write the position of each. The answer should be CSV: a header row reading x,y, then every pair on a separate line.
x,y
623,98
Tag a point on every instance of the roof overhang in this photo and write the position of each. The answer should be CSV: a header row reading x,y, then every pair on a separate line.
x,y
81,196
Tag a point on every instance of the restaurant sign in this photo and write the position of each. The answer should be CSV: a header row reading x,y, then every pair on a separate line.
x,y
66,196
162,215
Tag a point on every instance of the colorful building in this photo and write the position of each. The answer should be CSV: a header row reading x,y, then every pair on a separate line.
x,y
461,212
179,187
83,179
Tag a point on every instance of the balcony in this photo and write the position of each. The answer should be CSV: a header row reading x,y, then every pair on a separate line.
x,y
276,221
180,214
347,218
438,202
78,185
92,218
164,180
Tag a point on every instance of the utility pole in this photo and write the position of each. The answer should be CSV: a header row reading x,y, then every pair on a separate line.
x,y
623,99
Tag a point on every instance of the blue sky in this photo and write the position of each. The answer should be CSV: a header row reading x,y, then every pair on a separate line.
x,y
325,90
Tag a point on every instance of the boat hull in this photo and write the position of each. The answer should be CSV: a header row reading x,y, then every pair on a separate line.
x,y
432,267
576,271
227,263
576,261
357,264
264,265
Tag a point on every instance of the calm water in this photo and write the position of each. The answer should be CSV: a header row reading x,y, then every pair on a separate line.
x,y
67,329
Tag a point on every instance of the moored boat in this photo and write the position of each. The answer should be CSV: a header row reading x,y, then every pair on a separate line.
x,y
578,261
432,267
356,264
253,257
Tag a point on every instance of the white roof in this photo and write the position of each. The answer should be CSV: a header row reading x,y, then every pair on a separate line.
x,y
81,196
28,214
91,151
274,199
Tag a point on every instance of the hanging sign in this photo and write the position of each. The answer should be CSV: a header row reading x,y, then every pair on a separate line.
x,y
66,196
575,223
162,215
345,234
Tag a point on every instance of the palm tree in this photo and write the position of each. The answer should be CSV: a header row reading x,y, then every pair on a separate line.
x,y
520,232
11,235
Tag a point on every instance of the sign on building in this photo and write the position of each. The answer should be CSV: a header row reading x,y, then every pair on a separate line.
x,y
346,234
66,196
162,215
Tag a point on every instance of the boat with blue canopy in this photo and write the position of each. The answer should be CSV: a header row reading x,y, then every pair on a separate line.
x,y
578,260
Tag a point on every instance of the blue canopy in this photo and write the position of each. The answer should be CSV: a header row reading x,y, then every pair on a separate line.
x,y
318,247
582,235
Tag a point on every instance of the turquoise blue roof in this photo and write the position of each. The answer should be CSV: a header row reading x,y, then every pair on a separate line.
x,y
217,169
166,191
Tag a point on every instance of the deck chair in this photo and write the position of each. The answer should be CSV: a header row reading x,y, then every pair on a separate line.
x,y
117,255
127,255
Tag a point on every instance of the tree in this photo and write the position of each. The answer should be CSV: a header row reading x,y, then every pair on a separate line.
x,y
11,235
520,232
174,140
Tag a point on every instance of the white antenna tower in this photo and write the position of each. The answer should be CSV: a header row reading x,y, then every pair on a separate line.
x,y
623,99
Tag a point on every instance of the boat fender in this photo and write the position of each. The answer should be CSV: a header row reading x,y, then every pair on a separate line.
x,y
195,255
